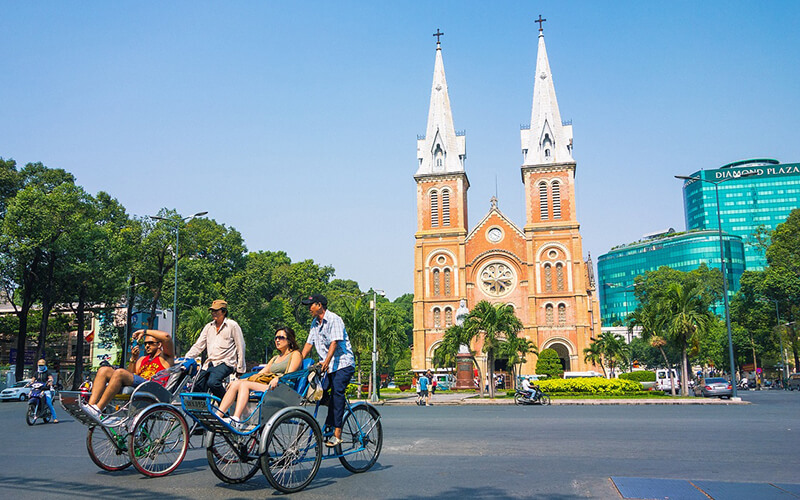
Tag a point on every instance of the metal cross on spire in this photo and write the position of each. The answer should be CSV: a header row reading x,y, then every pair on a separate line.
x,y
438,34
540,21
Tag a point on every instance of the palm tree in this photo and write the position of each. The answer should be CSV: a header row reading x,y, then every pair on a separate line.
x,y
594,355
192,323
689,315
492,324
651,317
515,350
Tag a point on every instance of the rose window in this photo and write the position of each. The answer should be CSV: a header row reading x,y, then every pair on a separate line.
x,y
497,279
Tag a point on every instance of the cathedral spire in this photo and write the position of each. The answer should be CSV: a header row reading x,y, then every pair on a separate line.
x,y
548,140
441,150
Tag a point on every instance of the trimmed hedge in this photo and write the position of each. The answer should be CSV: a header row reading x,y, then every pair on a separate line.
x,y
639,376
594,385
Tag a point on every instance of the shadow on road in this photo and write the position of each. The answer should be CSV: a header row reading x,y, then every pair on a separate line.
x,y
61,488
459,493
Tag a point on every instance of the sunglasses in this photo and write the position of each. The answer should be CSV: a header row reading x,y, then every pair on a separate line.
x,y
150,342
280,337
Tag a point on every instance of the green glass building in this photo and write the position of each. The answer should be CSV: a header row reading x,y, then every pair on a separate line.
x,y
763,199
682,251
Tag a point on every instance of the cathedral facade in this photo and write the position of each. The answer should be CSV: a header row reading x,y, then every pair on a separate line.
x,y
538,269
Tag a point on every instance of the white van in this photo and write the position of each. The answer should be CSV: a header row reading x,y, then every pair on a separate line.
x,y
664,382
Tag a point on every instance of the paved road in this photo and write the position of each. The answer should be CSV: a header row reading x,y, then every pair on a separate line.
x,y
559,452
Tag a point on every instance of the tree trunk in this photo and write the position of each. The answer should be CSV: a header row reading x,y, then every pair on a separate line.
x,y
22,335
46,308
755,366
684,372
490,371
79,342
480,375
669,369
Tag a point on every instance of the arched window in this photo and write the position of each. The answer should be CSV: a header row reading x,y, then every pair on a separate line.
x,y
548,314
560,277
547,144
556,200
445,207
447,288
434,208
436,288
548,278
448,317
437,318
543,200
562,315
438,157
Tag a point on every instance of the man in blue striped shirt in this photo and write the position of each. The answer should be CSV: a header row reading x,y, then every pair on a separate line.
x,y
329,338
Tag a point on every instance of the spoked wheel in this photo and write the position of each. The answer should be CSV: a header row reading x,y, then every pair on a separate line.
x,y
159,441
518,399
30,416
46,416
233,460
293,451
544,399
107,449
362,438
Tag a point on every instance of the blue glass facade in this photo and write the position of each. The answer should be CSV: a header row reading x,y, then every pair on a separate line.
x,y
763,199
682,251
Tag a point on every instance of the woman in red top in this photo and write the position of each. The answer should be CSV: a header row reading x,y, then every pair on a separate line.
x,y
108,382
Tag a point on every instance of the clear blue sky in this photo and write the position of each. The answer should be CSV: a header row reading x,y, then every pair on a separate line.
x,y
296,122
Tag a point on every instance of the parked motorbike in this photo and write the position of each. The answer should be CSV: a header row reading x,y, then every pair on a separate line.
x,y
526,398
37,404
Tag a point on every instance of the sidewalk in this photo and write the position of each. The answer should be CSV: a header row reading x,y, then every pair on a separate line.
x,y
445,398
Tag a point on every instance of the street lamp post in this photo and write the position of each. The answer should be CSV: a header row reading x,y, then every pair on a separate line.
x,y
175,296
722,268
374,395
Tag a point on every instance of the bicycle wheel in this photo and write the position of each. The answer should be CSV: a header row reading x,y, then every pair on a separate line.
x,y
544,399
293,451
233,460
107,449
159,441
362,438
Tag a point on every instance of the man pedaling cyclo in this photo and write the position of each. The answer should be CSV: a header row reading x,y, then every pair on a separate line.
x,y
160,355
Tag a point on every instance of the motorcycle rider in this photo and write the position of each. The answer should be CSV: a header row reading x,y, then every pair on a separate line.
x,y
44,376
529,388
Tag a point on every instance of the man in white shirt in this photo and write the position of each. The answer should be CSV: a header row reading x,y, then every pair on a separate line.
x,y
329,338
223,340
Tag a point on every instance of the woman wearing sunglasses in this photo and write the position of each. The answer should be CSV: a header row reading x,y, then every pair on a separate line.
x,y
287,360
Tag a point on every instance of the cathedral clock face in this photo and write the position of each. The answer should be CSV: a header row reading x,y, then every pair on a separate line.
x,y
497,279
494,234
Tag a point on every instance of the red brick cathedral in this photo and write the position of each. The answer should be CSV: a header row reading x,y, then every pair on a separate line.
x,y
539,268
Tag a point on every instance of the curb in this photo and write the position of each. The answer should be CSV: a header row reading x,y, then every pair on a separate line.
x,y
575,402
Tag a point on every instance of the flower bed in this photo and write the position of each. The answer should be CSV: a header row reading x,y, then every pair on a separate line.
x,y
595,385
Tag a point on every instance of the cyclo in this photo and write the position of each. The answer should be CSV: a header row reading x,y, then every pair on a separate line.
x,y
149,430
284,439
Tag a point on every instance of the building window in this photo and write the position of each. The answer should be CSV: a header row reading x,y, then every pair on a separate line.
x,y
434,209
437,318
562,315
543,200
448,317
438,157
436,290
560,277
447,290
445,207
556,200
548,314
548,278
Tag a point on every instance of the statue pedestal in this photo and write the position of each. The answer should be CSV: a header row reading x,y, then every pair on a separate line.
x,y
464,372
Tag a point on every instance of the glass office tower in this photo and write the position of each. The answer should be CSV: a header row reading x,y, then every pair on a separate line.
x,y
764,200
682,251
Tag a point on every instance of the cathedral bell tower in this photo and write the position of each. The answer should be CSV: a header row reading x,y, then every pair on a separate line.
x,y
439,255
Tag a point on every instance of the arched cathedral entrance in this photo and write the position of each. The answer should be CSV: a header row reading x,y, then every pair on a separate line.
x,y
563,354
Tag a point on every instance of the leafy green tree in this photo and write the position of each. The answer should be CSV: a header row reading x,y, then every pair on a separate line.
x,y
10,182
549,364
492,324
652,318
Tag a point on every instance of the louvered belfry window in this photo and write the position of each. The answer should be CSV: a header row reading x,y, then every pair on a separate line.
x,y
434,209
556,200
543,200
445,207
